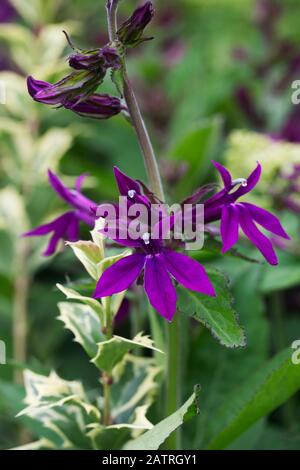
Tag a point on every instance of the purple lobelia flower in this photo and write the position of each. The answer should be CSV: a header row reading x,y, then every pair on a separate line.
x,y
66,226
95,106
224,206
152,257
131,31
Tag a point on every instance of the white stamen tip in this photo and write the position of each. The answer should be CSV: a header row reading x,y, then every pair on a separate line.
x,y
146,238
241,181
131,193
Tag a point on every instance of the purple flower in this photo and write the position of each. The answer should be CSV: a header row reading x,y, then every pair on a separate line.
x,y
66,226
224,206
131,31
95,106
155,260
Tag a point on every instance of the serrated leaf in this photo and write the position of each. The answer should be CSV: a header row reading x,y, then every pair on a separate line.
x,y
216,313
84,324
93,303
111,352
261,394
153,439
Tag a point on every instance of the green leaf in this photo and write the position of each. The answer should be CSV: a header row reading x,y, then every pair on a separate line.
x,y
265,391
93,303
89,254
111,352
154,438
196,148
84,324
216,313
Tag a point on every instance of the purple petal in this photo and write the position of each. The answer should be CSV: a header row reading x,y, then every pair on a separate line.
x,y
229,226
79,181
120,275
266,220
258,239
225,175
60,188
125,183
159,287
252,181
34,86
73,230
188,272
50,227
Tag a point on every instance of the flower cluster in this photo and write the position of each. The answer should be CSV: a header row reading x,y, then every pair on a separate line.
x,y
77,91
154,260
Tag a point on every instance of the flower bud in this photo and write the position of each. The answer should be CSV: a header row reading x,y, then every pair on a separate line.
x,y
96,106
131,31
95,60
78,84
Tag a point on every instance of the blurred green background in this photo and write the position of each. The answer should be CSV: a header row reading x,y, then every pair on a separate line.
x,y
215,83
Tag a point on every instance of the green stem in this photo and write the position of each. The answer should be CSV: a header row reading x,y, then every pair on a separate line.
x,y
143,138
173,388
106,379
134,111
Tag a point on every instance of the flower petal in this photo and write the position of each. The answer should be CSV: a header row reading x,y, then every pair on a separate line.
x,y
120,275
266,220
259,239
159,287
224,173
125,183
252,181
60,188
229,227
188,272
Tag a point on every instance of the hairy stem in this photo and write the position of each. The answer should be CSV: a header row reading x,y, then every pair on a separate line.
x,y
173,386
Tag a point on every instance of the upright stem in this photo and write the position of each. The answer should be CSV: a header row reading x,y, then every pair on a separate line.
x,y
106,379
143,138
134,111
173,386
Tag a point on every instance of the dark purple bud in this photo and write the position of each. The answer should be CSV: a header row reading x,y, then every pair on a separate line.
x,y
78,85
131,31
96,106
97,60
